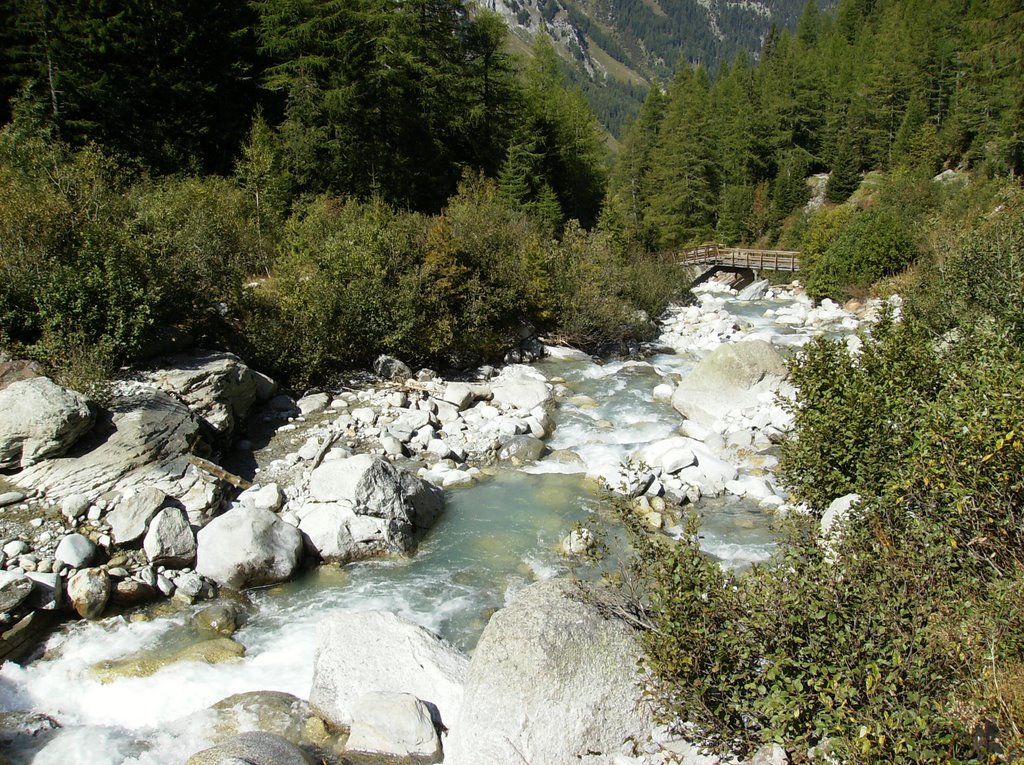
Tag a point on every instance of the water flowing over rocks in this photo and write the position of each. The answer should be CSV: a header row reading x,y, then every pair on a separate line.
x,y
359,471
360,652
551,681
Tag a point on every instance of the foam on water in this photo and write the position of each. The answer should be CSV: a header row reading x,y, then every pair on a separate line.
x,y
494,539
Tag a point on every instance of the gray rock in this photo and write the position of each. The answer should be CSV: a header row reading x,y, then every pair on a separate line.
x,y
393,723
731,377
274,712
459,394
392,446
189,587
15,587
39,419
390,368
522,448
130,518
247,547
217,386
754,290
75,506
15,547
76,551
252,748
11,498
89,592
364,506
170,540
553,680
141,439
220,618
520,392
269,497
314,403
265,386
47,591
408,423
358,652
132,592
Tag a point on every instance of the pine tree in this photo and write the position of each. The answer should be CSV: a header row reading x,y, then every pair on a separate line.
x,y
844,179
683,183
626,202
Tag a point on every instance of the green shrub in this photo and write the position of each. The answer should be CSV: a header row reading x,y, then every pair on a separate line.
x,y
877,243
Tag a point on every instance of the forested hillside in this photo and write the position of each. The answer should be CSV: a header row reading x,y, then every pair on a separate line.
x,y
614,49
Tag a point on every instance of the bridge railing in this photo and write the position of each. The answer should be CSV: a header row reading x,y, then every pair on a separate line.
x,y
741,257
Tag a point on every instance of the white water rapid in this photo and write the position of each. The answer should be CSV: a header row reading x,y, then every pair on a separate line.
x,y
495,537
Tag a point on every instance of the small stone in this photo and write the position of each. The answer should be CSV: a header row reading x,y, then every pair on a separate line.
x,y
15,588
11,498
36,523
75,506
89,592
76,550
165,585
15,547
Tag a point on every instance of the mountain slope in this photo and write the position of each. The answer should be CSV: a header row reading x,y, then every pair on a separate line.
x,y
614,49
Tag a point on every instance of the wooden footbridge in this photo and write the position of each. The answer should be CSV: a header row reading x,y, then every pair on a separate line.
x,y
741,257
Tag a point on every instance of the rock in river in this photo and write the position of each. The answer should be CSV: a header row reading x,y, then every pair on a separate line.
x,y
552,681
248,547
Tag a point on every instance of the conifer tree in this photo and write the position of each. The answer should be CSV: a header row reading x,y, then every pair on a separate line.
x,y
844,178
683,183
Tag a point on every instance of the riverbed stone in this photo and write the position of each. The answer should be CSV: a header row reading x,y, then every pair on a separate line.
x,y
74,507
729,378
269,497
11,498
553,680
130,518
170,540
248,547
141,437
40,419
252,748
519,389
89,592
132,592
76,551
389,368
522,448
15,587
363,506
220,618
47,591
358,652
397,724
217,386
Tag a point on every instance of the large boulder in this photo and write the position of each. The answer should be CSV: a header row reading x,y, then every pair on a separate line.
x,y
364,506
142,438
730,378
248,547
359,652
39,419
520,388
552,681
217,386
252,748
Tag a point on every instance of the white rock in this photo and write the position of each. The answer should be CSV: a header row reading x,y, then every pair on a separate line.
x,y
366,651
393,723
248,547
39,419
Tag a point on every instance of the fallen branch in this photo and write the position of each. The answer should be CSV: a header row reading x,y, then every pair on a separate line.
x,y
218,472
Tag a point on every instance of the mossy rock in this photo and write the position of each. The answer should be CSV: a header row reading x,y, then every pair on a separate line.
x,y
213,651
